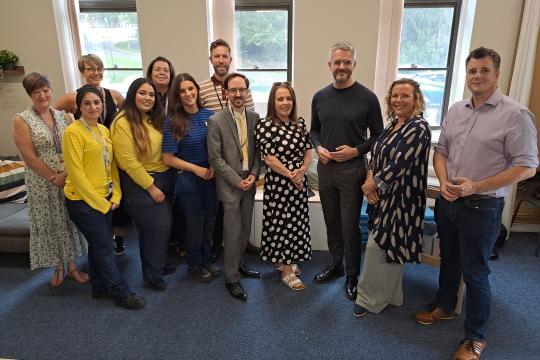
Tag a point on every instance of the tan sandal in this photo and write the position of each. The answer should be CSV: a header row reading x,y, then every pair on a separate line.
x,y
78,276
58,277
293,282
295,267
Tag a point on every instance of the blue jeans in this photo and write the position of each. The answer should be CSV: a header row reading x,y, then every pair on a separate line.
x,y
467,229
96,227
197,199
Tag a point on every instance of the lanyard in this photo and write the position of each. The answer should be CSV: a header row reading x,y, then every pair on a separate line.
x,y
219,96
53,130
105,150
166,104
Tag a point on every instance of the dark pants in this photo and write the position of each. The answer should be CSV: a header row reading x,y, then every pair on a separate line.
x,y
152,219
217,237
197,199
97,229
341,200
467,229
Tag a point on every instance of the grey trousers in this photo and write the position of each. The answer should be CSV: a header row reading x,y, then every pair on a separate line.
x,y
381,283
341,200
236,230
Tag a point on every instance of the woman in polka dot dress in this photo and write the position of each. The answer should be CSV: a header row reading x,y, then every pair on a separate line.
x,y
284,144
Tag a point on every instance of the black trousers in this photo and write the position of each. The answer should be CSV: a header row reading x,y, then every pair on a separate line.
x,y
341,200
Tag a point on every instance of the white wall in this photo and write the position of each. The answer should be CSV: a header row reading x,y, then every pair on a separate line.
x,y
317,25
177,30
27,28
496,25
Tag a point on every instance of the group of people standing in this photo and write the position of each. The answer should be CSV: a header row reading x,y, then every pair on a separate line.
x,y
201,148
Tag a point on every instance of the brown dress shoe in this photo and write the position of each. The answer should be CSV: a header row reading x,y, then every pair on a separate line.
x,y
470,350
429,317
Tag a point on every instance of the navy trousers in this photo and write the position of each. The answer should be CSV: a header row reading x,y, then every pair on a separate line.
x,y
96,227
468,228
152,219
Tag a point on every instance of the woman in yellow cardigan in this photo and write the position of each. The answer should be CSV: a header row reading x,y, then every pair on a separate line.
x,y
147,183
92,191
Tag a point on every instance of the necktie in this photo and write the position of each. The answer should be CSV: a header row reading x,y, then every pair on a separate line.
x,y
241,119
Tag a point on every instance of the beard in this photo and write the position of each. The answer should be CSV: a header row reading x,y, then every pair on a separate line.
x,y
342,77
221,70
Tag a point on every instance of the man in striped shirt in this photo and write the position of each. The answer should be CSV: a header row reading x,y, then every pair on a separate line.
x,y
213,97
212,93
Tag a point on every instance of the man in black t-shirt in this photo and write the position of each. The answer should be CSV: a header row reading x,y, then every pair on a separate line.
x,y
341,114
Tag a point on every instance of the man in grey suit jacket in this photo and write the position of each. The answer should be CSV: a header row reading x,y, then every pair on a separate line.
x,y
233,154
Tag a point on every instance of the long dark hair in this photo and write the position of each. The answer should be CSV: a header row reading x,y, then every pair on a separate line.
x,y
135,118
271,109
179,116
151,67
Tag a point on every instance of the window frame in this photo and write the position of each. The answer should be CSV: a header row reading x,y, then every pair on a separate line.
x,y
123,6
252,5
456,5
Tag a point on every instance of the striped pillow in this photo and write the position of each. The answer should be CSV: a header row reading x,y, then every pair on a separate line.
x,y
12,187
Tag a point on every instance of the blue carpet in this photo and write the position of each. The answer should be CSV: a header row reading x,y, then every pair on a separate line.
x,y
201,321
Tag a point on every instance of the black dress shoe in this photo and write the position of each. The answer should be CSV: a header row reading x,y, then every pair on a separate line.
x,y
236,290
169,269
350,287
330,272
247,271
157,285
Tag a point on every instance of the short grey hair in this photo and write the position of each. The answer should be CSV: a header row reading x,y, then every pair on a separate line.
x,y
345,46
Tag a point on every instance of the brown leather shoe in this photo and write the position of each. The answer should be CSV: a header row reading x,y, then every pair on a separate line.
x,y
429,317
470,350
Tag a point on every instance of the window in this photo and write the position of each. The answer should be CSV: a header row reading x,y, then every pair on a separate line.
x,y
263,45
111,32
428,37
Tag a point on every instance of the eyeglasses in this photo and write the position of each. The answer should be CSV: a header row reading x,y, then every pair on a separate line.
x,y
279,83
94,70
242,91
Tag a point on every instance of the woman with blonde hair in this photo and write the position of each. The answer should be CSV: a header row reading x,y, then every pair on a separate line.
x,y
396,191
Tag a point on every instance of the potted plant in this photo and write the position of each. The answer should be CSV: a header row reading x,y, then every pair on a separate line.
x,y
8,59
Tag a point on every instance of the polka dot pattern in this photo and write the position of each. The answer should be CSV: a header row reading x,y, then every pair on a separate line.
x,y
285,236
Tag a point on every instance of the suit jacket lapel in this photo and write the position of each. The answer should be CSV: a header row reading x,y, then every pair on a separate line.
x,y
234,130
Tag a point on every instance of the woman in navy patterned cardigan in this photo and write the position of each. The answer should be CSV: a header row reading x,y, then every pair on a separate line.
x,y
396,191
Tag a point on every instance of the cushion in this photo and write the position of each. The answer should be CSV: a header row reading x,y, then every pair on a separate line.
x,y
12,187
14,220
